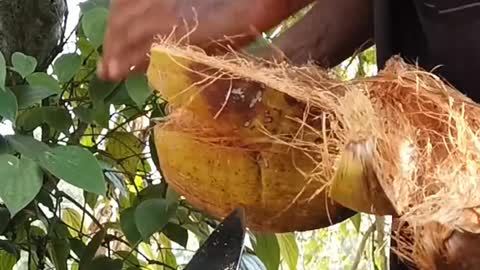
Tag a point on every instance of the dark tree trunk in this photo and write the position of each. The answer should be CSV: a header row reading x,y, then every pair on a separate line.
x,y
33,27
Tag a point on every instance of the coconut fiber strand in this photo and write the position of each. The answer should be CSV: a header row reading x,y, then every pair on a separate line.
x,y
298,147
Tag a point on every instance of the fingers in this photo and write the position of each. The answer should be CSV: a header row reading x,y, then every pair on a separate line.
x,y
121,37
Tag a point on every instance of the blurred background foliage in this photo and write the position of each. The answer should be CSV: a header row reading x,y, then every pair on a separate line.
x,y
81,187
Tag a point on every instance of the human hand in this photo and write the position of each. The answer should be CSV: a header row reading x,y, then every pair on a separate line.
x,y
131,29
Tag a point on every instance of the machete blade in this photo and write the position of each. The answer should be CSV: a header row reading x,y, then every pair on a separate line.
x,y
224,247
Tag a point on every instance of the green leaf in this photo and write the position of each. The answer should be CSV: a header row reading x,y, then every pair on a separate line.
x,y
94,24
356,220
8,104
98,115
288,249
98,90
4,219
128,225
138,88
43,80
176,233
76,166
66,66
103,263
78,247
152,215
127,149
10,247
268,250
7,260
57,118
90,199
166,256
27,146
88,255
91,4
59,251
23,64
128,257
28,96
73,164
73,219
44,198
251,262
3,71
19,175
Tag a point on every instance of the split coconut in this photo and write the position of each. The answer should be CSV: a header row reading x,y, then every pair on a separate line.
x,y
300,149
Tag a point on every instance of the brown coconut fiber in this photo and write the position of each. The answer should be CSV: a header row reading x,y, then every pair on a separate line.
x,y
401,143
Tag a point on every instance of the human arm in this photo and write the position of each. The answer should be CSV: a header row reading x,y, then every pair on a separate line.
x,y
329,33
133,25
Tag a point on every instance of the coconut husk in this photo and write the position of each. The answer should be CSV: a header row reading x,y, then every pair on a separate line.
x,y
415,134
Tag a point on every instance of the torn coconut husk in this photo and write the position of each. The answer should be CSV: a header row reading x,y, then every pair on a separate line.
x,y
301,144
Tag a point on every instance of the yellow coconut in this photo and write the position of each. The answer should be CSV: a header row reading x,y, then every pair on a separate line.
x,y
218,152
298,148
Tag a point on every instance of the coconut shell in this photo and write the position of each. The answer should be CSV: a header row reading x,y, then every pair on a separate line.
x,y
217,149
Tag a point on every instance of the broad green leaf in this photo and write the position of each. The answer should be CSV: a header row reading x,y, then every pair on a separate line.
x,y
152,215
121,97
10,247
288,249
60,230
44,198
176,233
43,80
27,146
150,192
127,150
23,64
94,23
57,118
268,250
166,256
88,255
99,90
4,147
4,218
251,262
128,225
103,263
76,166
66,66
90,199
91,4
59,251
98,115
7,260
73,219
356,220
138,88
19,174
78,247
128,257
8,104
28,96
3,71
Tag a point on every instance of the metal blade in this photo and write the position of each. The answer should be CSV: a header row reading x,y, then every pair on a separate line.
x,y
224,247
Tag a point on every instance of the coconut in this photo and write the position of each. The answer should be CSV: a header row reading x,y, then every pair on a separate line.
x,y
299,148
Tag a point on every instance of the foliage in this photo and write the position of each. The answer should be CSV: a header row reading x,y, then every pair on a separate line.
x,y
81,183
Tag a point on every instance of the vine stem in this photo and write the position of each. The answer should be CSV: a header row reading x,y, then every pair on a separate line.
x,y
361,247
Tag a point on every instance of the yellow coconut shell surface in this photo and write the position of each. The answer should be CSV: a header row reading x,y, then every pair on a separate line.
x,y
215,149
